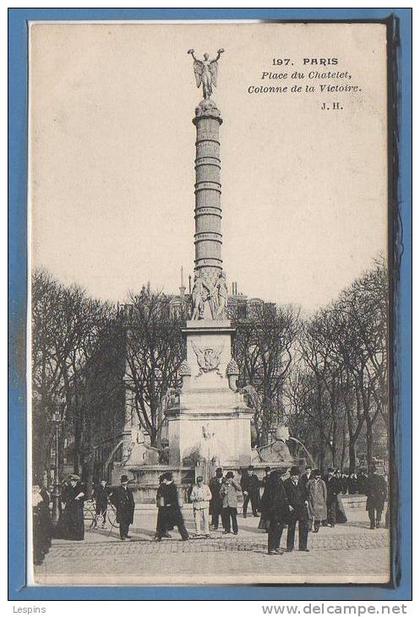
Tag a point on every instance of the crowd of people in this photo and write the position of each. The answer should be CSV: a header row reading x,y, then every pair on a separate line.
x,y
282,500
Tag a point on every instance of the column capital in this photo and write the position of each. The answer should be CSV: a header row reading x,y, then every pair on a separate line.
x,y
207,109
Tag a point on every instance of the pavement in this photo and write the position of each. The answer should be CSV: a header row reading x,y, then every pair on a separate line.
x,y
347,553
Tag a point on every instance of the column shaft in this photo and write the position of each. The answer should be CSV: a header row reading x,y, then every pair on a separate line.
x,y
208,211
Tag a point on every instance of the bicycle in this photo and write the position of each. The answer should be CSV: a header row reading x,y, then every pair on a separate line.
x,y
89,512
98,520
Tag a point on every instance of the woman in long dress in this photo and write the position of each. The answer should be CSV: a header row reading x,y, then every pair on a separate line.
x,y
71,522
169,513
162,522
42,530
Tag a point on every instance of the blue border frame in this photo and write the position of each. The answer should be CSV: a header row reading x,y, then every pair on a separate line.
x,y
18,69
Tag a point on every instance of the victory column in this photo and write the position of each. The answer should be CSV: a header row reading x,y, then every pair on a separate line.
x,y
209,421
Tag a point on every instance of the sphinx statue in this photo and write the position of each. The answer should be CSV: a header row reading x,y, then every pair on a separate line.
x,y
277,450
140,452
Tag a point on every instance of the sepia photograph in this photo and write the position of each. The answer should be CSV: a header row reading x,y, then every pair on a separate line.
x,y
210,317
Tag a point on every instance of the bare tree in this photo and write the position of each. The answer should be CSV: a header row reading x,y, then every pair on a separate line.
x,y
304,416
65,327
47,384
317,352
339,379
362,320
263,349
102,396
155,350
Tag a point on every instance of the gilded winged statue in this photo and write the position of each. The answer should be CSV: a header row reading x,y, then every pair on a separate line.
x,y
205,72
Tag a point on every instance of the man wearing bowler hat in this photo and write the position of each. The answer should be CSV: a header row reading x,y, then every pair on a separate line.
x,y
333,489
122,498
298,500
376,494
306,476
250,486
276,510
216,502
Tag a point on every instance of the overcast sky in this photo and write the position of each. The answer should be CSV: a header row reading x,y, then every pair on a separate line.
x,y
112,157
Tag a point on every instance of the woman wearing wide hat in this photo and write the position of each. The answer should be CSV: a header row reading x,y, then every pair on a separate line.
x,y
71,525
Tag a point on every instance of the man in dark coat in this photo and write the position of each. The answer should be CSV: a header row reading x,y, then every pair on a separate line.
x,y
264,524
171,515
216,503
264,481
376,495
123,500
297,497
250,486
100,494
333,489
352,484
303,481
229,492
305,477
276,511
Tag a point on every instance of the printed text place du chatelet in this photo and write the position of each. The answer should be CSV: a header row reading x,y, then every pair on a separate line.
x,y
304,76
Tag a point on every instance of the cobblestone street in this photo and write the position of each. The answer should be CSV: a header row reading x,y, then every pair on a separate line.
x,y
346,553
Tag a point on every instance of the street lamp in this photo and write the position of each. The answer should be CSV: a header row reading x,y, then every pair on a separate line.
x,y
56,493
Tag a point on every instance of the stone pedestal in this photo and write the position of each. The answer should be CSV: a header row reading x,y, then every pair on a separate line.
x,y
209,419
144,480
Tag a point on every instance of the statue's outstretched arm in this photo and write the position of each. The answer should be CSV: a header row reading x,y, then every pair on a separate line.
x,y
191,51
219,53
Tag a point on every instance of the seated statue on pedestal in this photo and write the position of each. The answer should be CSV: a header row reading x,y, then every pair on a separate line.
x,y
209,454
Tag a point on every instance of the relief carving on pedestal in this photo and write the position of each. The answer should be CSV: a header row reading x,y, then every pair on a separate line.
x,y
208,359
